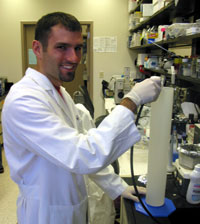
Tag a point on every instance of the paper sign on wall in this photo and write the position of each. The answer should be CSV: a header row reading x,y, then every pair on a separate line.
x,y
32,60
105,44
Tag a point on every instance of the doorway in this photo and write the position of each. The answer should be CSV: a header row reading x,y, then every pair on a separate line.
x,y
84,72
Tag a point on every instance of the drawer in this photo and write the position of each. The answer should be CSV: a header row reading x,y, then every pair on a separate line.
x,y
1,104
1,139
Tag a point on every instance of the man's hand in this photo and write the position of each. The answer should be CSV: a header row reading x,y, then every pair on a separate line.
x,y
146,91
130,191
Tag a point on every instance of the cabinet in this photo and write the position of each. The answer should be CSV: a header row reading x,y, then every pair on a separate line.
x,y
166,16
1,136
1,106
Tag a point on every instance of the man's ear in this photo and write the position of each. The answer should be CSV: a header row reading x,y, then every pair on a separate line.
x,y
37,48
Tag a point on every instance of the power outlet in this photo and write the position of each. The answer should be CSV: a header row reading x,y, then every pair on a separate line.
x,y
101,75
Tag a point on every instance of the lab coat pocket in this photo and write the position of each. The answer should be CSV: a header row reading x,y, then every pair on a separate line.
x,y
28,204
28,210
70,214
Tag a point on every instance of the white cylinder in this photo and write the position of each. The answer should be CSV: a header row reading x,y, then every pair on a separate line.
x,y
160,130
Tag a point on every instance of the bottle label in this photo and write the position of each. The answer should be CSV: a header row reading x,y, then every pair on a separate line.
x,y
197,186
196,192
195,197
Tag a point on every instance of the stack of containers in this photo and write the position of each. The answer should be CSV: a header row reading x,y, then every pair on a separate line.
x,y
131,5
159,4
134,19
147,11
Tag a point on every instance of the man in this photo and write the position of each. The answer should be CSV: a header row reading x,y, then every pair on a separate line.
x,y
47,146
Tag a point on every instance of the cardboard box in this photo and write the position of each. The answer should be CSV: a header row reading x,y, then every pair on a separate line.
x,y
146,9
155,2
158,6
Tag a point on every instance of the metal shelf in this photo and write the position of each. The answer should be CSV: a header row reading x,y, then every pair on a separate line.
x,y
139,4
162,16
181,77
178,41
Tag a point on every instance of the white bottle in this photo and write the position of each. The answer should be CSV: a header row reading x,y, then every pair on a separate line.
x,y
193,192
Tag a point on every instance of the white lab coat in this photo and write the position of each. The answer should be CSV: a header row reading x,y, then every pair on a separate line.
x,y
49,151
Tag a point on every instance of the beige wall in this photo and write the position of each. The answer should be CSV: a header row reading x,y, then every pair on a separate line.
x,y
110,18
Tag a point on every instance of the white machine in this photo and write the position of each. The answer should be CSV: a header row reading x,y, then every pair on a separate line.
x,y
182,178
120,84
118,89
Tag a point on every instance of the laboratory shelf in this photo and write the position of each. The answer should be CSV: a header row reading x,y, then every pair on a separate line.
x,y
137,8
189,10
181,77
162,16
179,41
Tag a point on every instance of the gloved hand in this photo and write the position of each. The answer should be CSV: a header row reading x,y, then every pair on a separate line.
x,y
146,91
130,191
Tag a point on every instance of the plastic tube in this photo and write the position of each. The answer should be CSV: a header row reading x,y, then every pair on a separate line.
x,y
160,130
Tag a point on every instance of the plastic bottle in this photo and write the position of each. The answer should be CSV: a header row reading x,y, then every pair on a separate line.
x,y
186,66
193,192
198,68
190,129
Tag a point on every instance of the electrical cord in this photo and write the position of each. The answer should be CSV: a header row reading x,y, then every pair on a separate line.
x,y
133,176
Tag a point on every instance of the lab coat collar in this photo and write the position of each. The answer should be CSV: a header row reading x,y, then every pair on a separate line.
x,y
39,78
46,84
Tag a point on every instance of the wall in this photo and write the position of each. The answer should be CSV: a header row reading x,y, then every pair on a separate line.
x,y
110,18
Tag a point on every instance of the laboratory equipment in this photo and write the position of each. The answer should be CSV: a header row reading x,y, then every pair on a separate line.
x,y
198,68
161,115
120,85
181,178
172,149
141,59
118,89
189,155
184,166
196,133
127,85
186,66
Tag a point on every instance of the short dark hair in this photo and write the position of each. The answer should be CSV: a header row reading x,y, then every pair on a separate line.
x,y
43,26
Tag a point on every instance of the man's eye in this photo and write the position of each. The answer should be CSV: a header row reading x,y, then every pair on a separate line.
x,y
61,47
78,48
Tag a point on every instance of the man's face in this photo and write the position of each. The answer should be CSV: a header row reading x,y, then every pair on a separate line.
x,y
63,54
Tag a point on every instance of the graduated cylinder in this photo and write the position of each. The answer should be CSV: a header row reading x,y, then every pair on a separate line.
x,y
160,130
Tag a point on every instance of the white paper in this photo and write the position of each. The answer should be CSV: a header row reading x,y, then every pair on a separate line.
x,y
105,44
31,57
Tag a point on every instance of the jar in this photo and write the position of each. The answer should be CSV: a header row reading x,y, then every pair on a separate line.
x,y
177,65
193,67
198,68
186,67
